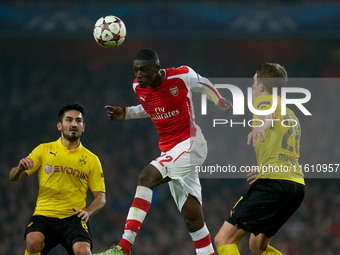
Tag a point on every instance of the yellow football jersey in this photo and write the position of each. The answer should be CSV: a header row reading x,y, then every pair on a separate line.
x,y
278,156
64,178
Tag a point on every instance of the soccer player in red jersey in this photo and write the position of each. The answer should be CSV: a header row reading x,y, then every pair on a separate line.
x,y
165,97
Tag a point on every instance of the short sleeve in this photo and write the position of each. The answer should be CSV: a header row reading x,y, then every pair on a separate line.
x,y
96,180
36,155
204,86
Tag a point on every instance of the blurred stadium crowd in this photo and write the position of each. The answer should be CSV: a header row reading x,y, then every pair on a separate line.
x,y
37,76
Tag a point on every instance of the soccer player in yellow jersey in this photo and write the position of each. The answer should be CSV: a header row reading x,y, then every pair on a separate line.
x,y
279,187
66,170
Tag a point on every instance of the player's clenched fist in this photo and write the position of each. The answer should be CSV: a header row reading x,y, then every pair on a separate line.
x,y
226,106
115,112
26,163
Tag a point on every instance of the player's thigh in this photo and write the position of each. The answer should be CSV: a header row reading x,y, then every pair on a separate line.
x,y
295,195
179,164
192,208
266,206
193,214
41,230
181,188
75,230
151,177
182,159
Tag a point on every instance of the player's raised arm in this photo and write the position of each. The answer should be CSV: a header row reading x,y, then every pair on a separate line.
x,y
115,112
18,172
204,85
126,113
226,105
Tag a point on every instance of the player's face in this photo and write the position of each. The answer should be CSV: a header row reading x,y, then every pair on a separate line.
x,y
256,88
145,72
72,125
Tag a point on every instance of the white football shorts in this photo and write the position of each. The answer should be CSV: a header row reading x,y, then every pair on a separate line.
x,y
180,165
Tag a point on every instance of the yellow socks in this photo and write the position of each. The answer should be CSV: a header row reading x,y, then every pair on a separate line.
x,y
26,253
229,249
271,251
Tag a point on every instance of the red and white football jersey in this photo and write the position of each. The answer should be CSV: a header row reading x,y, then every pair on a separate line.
x,y
170,105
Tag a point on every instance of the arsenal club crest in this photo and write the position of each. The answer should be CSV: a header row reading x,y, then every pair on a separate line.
x,y
174,91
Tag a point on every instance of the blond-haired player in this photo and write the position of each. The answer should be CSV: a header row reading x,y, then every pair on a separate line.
x,y
279,187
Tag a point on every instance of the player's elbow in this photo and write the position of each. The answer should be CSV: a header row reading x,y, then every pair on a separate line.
x,y
103,201
17,177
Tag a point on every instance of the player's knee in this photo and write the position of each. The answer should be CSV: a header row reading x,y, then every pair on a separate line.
x,y
190,226
256,248
149,177
82,252
218,240
144,180
193,223
193,214
34,244
81,248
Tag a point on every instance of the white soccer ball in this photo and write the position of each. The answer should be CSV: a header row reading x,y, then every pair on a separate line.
x,y
109,31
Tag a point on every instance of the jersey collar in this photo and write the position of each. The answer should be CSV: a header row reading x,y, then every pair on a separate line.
x,y
60,144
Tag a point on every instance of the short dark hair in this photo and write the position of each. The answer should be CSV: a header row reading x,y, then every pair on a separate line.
x,y
69,107
149,55
272,75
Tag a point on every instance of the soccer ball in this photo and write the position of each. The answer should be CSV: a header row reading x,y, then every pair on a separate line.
x,y
109,31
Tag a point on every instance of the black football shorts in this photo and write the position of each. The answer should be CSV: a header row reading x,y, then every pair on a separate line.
x,y
266,206
66,231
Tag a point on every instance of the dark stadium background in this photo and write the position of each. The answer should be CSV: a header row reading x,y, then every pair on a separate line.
x,y
48,57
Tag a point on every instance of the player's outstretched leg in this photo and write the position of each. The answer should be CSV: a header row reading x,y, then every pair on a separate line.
x,y
135,218
227,239
149,178
194,220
